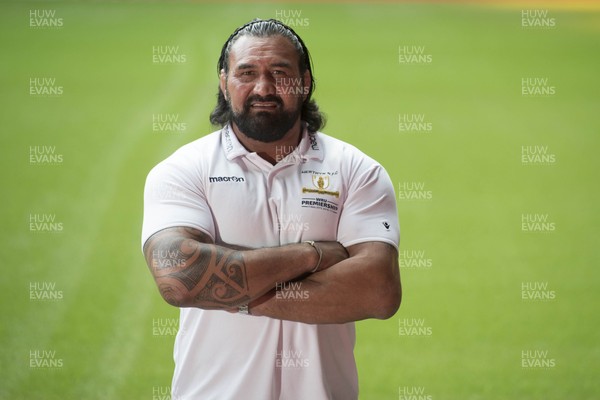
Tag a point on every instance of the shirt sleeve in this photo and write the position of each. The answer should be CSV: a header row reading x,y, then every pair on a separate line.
x,y
369,212
172,197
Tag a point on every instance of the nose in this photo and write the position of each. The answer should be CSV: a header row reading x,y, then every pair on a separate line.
x,y
265,85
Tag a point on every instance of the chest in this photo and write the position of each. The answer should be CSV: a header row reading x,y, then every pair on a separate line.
x,y
260,207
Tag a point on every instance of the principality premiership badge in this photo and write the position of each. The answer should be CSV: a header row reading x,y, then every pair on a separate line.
x,y
321,183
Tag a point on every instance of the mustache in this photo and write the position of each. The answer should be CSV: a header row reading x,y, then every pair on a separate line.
x,y
270,98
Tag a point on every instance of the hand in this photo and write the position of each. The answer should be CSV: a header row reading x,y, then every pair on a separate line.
x,y
333,253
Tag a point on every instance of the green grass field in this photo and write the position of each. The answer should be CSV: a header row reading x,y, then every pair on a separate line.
x,y
500,253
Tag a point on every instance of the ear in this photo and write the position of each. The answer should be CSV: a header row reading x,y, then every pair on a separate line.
x,y
223,83
307,82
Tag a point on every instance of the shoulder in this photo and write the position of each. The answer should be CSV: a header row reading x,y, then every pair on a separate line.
x,y
346,155
192,155
187,166
332,144
201,148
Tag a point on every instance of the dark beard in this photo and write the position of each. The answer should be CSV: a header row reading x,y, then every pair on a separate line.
x,y
265,126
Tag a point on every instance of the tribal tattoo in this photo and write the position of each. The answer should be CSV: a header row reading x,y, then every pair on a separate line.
x,y
186,265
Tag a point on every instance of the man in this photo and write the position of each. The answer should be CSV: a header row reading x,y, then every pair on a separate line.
x,y
272,237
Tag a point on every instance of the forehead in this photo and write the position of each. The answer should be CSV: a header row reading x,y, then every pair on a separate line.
x,y
254,50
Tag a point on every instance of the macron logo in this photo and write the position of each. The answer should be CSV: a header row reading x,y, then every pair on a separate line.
x,y
213,179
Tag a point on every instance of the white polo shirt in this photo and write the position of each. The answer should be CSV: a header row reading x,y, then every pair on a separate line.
x,y
324,190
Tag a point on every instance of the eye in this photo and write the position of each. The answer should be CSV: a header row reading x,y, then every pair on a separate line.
x,y
246,75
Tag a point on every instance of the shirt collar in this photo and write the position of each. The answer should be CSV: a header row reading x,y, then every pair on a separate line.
x,y
231,145
310,144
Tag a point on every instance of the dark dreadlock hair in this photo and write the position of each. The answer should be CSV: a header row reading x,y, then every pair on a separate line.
x,y
310,113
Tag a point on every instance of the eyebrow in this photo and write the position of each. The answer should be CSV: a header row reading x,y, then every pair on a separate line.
x,y
245,66
280,64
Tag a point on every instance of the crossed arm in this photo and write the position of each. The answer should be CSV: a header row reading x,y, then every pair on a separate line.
x,y
351,284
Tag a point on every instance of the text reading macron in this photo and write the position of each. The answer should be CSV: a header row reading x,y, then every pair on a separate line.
x,y
214,179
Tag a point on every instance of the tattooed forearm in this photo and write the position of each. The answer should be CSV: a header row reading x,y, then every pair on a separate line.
x,y
190,272
226,283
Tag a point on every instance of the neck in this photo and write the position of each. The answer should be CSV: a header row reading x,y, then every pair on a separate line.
x,y
273,152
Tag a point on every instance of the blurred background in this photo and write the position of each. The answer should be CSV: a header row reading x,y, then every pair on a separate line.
x,y
485,116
